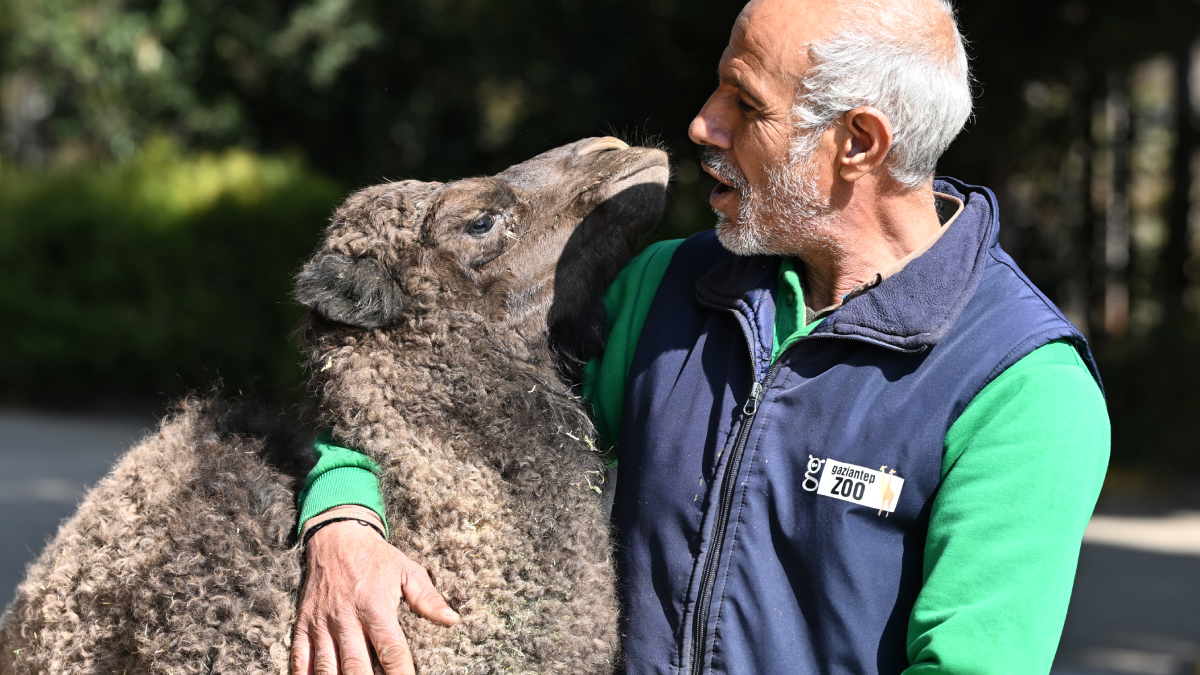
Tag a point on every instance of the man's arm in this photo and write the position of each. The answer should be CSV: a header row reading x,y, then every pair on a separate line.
x,y
1021,475
355,580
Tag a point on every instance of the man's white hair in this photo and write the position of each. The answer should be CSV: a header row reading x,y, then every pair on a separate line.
x,y
896,58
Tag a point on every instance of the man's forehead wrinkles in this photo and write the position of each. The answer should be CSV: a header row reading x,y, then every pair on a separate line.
x,y
767,52
755,74
778,33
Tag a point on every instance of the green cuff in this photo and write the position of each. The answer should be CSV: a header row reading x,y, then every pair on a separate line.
x,y
341,487
341,477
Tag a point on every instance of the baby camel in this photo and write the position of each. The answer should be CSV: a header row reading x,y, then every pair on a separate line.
x,y
442,320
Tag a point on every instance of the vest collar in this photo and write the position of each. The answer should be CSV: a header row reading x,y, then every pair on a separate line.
x,y
910,310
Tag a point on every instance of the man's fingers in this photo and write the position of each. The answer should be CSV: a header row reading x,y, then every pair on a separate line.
x,y
396,658
391,648
354,656
302,662
354,584
324,658
424,599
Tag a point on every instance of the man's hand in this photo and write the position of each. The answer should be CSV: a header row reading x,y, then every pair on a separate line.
x,y
353,588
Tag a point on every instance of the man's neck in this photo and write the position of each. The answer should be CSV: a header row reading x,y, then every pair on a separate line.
x,y
875,235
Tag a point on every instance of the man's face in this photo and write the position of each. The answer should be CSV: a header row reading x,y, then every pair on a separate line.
x,y
768,200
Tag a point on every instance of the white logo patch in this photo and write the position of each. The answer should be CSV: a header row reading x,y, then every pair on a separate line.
x,y
878,490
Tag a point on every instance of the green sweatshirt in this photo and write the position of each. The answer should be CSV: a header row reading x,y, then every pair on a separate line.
x,y
1021,473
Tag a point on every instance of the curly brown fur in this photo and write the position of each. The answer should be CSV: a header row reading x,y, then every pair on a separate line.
x,y
436,311
178,561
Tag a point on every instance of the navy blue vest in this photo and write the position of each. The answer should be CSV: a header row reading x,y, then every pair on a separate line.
x,y
731,560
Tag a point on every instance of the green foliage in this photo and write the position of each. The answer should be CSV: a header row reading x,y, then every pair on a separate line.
x,y
115,70
408,88
156,277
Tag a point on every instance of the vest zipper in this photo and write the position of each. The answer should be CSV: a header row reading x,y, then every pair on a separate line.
x,y
751,406
728,485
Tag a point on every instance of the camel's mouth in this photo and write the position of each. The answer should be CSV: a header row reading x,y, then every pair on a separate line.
x,y
652,168
639,189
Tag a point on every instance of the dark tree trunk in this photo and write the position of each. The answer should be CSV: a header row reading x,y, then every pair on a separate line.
x,y
1117,209
1178,248
1092,243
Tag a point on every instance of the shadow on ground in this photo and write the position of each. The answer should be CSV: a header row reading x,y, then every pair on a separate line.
x,y
1132,611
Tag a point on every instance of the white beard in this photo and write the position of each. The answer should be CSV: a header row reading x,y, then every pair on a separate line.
x,y
790,217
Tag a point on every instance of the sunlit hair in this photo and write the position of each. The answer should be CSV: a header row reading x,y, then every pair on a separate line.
x,y
899,61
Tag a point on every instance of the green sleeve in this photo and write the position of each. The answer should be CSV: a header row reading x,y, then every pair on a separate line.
x,y
341,476
628,303
1021,474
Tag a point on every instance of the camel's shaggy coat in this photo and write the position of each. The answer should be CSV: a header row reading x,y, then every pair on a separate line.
x,y
435,309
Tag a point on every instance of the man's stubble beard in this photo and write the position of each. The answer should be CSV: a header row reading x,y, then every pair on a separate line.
x,y
790,216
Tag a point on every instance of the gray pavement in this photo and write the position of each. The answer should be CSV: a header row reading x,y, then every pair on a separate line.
x,y
1132,611
1135,609
46,463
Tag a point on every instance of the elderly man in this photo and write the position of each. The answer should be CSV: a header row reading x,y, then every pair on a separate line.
x,y
853,437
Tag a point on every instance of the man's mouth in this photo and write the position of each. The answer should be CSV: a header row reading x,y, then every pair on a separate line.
x,y
721,188
722,193
730,181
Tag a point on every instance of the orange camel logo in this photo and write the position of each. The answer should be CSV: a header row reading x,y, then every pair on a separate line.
x,y
887,496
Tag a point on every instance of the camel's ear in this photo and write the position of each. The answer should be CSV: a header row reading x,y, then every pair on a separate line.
x,y
356,292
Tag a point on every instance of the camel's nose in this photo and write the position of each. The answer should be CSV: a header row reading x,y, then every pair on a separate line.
x,y
600,145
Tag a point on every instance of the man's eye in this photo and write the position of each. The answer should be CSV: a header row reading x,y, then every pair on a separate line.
x,y
482,225
745,107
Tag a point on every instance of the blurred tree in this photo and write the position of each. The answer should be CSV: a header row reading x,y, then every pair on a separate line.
x,y
1044,77
366,88
1177,253
439,88
156,276
95,77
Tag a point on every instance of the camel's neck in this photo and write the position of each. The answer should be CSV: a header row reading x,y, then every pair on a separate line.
x,y
446,374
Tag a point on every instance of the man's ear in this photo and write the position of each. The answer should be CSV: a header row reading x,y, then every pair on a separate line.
x,y
865,142
355,292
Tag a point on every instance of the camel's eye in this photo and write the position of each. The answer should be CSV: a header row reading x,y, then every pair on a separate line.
x,y
482,225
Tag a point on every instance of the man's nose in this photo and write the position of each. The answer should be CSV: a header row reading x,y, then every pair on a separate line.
x,y
708,128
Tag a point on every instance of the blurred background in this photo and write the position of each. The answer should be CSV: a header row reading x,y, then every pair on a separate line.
x,y
165,166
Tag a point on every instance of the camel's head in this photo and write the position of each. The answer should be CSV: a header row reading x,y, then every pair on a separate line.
x,y
532,248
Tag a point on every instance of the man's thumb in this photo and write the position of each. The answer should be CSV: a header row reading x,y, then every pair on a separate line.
x,y
425,600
